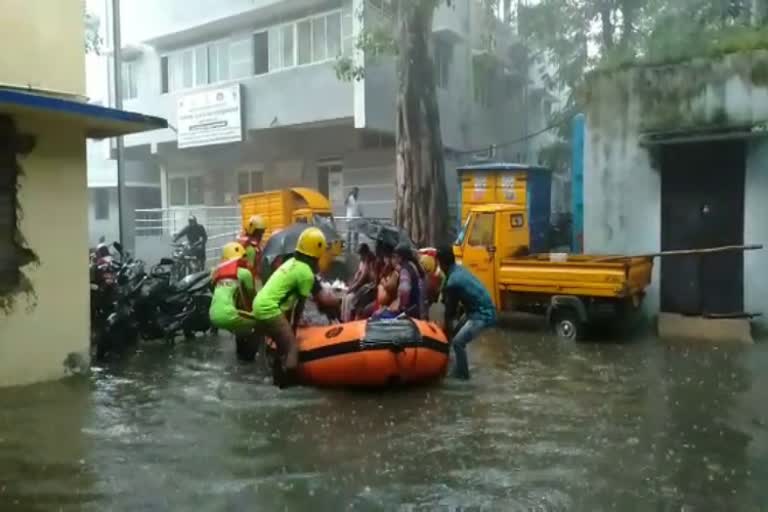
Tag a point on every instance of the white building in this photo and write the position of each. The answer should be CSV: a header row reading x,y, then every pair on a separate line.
x,y
283,118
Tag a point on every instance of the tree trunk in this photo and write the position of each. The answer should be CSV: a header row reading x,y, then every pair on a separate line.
x,y
421,203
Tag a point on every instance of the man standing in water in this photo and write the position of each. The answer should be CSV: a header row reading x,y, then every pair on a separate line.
x,y
282,299
462,288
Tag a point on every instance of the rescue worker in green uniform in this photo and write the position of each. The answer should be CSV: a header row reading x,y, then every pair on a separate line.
x,y
278,306
251,238
233,291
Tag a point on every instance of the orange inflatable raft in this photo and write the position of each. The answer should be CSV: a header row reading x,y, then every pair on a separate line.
x,y
372,354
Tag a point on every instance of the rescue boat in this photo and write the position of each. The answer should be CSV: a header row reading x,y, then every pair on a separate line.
x,y
372,353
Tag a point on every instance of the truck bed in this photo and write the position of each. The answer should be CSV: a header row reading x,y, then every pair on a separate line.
x,y
580,275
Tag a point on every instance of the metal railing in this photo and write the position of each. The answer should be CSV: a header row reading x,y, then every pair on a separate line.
x,y
169,221
156,227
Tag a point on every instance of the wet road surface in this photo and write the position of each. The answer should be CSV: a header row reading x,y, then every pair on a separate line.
x,y
543,425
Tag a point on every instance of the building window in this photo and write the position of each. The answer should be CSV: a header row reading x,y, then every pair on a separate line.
x,y
307,41
186,191
101,203
195,190
202,65
260,53
164,84
483,78
177,191
128,78
250,182
241,57
443,59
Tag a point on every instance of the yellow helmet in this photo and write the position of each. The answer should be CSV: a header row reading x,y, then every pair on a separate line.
x,y
232,251
311,243
428,263
255,223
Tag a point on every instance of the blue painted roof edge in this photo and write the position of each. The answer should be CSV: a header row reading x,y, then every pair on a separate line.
x,y
87,110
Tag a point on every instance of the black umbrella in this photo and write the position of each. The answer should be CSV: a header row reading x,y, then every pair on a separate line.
x,y
380,232
283,243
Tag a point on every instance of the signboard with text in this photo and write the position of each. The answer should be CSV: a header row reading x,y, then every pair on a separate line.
x,y
210,117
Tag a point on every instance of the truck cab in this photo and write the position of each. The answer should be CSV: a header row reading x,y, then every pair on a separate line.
x,y
491,233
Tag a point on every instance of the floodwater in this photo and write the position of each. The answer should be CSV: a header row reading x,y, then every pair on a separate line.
x,y
544,425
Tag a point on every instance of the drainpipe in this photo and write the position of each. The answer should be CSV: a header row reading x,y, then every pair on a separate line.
x,y
117,62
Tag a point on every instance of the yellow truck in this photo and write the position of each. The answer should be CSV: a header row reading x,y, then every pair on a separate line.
x,y
572,291
281,208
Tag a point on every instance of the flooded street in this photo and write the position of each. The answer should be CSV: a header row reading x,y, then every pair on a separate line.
x,y
543,425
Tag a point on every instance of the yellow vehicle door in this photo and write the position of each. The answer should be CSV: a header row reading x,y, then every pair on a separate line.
x,y
479,251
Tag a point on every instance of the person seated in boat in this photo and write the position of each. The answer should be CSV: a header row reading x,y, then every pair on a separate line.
x,y
362,289
462,289
434,278
233,292
410,298
278,307
386,280
251,238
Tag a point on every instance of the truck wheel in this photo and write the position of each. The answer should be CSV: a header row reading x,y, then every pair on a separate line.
x,y
567,325
247,347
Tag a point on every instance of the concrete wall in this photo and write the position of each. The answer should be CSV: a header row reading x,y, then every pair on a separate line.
x,y
622,189
756,229
38,336
43,28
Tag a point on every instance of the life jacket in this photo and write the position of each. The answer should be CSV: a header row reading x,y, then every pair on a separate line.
x,y
227,271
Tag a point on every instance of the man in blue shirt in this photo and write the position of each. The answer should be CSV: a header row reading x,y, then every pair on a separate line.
x,y
461,287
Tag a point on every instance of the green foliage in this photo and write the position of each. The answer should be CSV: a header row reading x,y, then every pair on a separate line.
x,y
375,41
578,36
378,37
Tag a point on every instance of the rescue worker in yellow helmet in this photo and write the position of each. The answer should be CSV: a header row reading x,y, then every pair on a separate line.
x,y
233,292
250,239
278,306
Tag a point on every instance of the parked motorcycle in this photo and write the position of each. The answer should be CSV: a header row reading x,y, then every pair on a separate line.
x,y
114,287
166,307
185,262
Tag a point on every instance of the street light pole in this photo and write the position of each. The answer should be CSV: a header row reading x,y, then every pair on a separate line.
x,y
117,63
